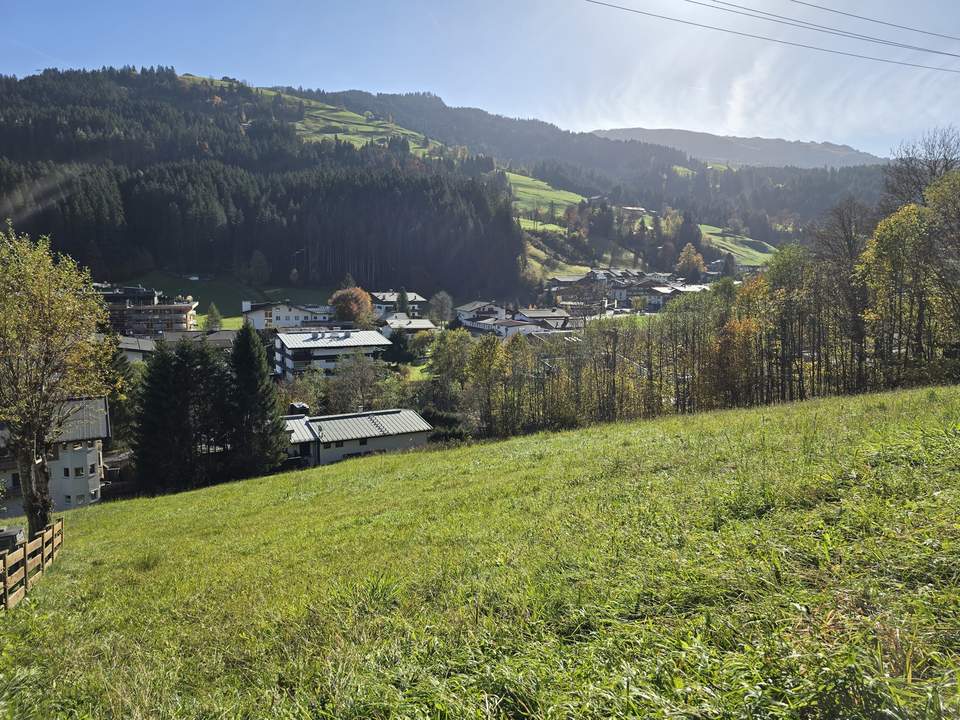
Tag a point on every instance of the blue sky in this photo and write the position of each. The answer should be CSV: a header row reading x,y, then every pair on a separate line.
x,y
580,66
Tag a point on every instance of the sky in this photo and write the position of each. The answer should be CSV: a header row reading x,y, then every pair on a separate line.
x,y
578,65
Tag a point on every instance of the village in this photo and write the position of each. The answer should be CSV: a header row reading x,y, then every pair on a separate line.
x,y
302,338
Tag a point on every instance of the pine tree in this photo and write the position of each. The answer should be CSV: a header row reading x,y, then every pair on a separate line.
x,y
214,319
157,446
259,439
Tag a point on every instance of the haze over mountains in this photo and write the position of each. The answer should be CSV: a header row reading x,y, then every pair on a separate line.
x,y
756,151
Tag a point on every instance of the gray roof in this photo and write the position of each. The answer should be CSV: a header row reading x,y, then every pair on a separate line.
x,y
543,312
337,428
392,297
333,339
475,305
400,321
88,419
133,344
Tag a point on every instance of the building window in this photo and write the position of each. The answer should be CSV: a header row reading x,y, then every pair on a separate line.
x,y
15,479
66,472
93,469
67,499
363,441
78,472
326,446
339,443
94,494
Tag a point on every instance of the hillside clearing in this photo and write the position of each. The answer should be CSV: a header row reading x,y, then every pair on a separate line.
x,y
795,561
532,194
752,253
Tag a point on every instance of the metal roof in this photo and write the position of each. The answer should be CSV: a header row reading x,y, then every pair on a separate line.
x,y
475,305
337,428
543,312
87,419
299,428
332,339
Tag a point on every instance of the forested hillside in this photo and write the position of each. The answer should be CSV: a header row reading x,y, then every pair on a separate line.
x,y
627,172
763,152
134,170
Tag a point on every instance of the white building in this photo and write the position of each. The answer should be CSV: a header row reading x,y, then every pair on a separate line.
x,y
505,328
297,352
479,309
285,314
75,463
386,303
327,439
400,321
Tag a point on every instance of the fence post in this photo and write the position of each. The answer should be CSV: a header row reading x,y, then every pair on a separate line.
x,y
3,579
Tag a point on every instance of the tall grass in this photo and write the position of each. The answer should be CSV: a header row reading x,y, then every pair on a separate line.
x,y
788,562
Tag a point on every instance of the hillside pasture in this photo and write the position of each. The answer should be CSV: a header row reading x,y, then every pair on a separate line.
x,y
798,561
752,253
532,194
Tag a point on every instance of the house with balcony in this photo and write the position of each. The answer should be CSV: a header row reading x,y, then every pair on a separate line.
x,y
388,303
285,314
75,462
324,350
136,310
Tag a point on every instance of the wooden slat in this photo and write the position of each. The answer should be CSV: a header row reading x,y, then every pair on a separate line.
x,y
14,598
57,541
14,556
13,578
33,562
48,533
31,581
34,544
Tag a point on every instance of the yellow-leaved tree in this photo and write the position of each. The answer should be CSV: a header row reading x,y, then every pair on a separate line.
x,y
49,313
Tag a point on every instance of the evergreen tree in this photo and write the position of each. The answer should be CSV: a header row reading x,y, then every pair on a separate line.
x,y
160,413
403,302
259,439
214,320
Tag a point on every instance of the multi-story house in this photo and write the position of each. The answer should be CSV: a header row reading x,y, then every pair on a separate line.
x,y
135,310
387,303
284,314
75,462
297,352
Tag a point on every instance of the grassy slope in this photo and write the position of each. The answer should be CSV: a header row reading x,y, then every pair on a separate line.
x,y
745,251
531,193
790,561
322,121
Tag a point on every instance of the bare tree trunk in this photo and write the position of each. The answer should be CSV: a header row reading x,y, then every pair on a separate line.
x,y
35,488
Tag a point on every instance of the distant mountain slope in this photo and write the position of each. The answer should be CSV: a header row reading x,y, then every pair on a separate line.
x,y
732,150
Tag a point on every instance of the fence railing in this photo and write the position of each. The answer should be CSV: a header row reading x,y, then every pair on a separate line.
x,y
22,567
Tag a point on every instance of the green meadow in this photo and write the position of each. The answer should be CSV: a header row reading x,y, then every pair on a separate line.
x,y
532,194
745,251
798,561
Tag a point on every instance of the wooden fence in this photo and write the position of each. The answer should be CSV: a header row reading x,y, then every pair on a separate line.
x,y
22,567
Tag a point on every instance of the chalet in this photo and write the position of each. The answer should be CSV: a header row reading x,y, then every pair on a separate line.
x,y
387,303
135,310
75,463
479,309
402,322
329,438
297,352
284,314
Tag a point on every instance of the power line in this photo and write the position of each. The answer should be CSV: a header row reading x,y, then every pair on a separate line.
x,y
770,39
874,20
806,25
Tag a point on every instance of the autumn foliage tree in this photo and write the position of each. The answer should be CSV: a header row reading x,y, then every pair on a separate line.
x,y
49,314
353,304
690,264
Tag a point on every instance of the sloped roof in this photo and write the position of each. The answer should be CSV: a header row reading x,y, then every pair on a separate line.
x,y
543,313
392,297
475,305
338,428
333,339
88,419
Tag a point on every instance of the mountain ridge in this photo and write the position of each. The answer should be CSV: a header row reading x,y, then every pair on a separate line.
x,y
755,151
